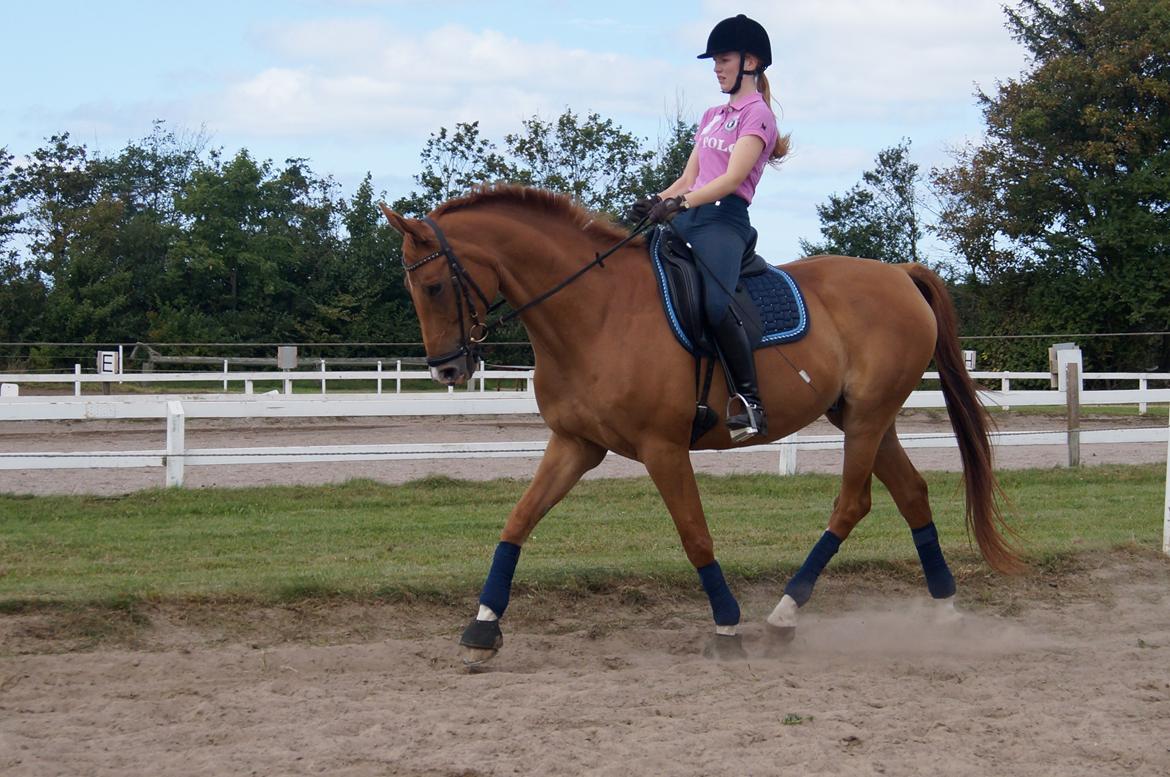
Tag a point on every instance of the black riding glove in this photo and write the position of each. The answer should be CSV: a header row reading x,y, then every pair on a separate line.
x,y
641,209
664,211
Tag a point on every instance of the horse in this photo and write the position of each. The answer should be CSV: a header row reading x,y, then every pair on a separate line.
x,y
611,376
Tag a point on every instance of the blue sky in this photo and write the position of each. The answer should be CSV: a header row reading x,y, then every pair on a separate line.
x,y
358,85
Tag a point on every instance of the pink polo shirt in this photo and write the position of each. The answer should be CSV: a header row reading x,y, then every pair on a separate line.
x,y
721,127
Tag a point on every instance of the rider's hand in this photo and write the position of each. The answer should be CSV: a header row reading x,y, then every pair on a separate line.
x,y
667,209
641,209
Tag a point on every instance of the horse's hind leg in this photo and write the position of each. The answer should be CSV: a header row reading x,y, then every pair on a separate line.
x,y
565,460
908,489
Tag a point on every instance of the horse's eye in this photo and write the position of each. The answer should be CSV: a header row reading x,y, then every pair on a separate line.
x,y
433,289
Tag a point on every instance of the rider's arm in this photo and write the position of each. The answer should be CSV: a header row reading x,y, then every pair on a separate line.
x,y
687,179
743,157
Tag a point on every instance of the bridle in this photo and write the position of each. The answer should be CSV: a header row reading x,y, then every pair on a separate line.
x,y
464,285
472,337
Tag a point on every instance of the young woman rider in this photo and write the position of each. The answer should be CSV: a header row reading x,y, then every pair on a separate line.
x,y
708,204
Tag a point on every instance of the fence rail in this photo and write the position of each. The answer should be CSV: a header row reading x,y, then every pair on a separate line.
x,y
176,409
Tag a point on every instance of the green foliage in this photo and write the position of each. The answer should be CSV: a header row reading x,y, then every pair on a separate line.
x,y
21,287
879,217
591,159
1062,214
164,241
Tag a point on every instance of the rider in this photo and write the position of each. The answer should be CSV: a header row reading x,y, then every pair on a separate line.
x,y
709,201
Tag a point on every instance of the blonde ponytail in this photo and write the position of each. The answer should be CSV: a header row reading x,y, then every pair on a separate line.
x,y
783,142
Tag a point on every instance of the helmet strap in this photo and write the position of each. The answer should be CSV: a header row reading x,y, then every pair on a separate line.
x,y
742,73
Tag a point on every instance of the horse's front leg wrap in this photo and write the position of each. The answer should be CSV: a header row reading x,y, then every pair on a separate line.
x,y
800,587
939,580
723,604
497,589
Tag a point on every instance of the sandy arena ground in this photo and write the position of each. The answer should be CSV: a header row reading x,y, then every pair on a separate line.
x,y
1059,673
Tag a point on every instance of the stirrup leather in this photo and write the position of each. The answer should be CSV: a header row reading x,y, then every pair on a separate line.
x,y
741,433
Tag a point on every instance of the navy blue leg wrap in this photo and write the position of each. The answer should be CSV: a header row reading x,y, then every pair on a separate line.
x,y
723,604
939,580
800,587
498,586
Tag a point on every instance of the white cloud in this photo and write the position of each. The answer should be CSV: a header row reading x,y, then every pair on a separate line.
x,y
855,59
363,78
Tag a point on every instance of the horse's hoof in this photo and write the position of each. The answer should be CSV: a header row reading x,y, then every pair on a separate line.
x,y
945,613
725,647
480,642
778,638
474,657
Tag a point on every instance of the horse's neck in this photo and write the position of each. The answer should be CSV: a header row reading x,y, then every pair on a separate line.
x,y
575,317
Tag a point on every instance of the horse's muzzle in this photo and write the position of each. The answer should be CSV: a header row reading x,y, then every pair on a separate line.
x,y
455,372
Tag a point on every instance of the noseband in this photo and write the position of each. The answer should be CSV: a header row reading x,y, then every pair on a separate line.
x,y
473,336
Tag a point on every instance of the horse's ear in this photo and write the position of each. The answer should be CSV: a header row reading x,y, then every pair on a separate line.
x,y
405,226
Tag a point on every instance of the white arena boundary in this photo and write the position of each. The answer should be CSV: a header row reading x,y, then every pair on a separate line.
x,y
175,409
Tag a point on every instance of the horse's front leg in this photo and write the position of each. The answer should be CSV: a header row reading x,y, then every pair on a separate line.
x,y
565,460
670,468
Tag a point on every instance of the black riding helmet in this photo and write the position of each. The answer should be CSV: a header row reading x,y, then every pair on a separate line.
x,y
744,35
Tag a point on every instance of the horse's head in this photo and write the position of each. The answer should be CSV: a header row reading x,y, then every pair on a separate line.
x,y
451,285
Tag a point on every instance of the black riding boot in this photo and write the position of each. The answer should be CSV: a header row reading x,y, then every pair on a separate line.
x,y
733,342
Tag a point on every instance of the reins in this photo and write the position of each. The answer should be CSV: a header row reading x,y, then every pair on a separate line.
x,y
462,281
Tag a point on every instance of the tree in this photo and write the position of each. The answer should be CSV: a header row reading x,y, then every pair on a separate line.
x,y
592,160
22,292
370,300
99,229
255,260
452,163
879,217
1068,196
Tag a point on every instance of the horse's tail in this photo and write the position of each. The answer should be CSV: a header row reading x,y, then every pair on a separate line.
x,y
970,422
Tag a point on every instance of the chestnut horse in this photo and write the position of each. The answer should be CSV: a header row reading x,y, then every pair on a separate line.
x,y
610,376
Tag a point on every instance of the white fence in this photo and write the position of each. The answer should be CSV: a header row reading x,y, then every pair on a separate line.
x,y
175,409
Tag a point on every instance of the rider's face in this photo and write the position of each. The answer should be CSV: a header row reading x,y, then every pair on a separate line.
x,y
727,67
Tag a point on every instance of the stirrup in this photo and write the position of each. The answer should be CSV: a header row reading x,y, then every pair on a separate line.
x,y
741,433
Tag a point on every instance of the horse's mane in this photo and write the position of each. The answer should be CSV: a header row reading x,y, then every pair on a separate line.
x,y
552,203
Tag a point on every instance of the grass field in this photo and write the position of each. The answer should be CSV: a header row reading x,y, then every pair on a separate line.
x,y
434,537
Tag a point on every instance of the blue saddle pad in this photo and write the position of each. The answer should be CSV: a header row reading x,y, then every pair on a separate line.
x,y
770,302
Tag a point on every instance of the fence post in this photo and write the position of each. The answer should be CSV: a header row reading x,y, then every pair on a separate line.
x,y
76,380
398,380
176,443
1143,384
225,374
1166,506
788,455
1072,388
379,377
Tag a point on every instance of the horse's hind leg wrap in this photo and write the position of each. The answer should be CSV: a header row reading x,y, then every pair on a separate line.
x,y
723,604
497,589
939,580
800,587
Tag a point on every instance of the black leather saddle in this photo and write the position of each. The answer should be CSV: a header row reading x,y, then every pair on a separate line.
x,y
766,298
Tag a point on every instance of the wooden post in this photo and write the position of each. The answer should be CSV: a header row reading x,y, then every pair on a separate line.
x,y
176,443
1073,398
788,455
1166,505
